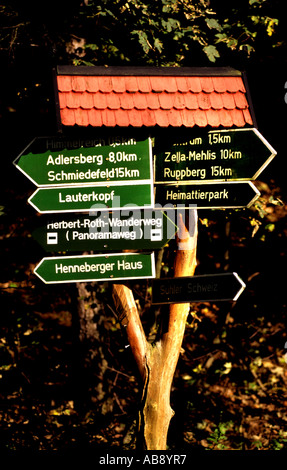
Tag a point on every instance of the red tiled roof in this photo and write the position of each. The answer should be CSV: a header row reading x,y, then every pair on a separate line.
x,y
174,99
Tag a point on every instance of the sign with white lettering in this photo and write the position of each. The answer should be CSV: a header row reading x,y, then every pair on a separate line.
x,y
237,154
93,162
206,288
126,229
87,268
216,195
87,198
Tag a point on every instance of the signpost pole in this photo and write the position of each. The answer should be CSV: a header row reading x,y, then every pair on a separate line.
x,y
157,363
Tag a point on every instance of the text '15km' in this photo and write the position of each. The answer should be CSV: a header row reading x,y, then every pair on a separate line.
x,y
238,154
127,162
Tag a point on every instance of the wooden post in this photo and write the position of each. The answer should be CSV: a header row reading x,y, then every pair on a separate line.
x,y
157,362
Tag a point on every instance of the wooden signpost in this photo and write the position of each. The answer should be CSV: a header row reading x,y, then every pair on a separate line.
x,y
210,170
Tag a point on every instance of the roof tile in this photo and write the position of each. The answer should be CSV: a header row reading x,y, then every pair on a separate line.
x,y
127,100
86,100
81,117
131,84
64,83
135,118
187,118
92,84
95,118
158,84
228,100
113,101
219,84
237,117
122,118
148,118
119,84
140,101
153,101
179,101
240,100
213,118
247,116
166,100
207,84
191,101
235,85
225,118
200,118
73,100
175,117
161,118
100,100
62,100
182,84
194,84
144,84
203,100
216,100
105,84
68,117
170,85
78,83
108,117
149,100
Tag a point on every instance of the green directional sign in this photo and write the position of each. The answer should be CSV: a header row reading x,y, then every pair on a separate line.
x,y
86,198
216,195
206,288
109,267
127,229
237,154
57,162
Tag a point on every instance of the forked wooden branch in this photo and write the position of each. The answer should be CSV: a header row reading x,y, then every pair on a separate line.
x,y
157,363
129,318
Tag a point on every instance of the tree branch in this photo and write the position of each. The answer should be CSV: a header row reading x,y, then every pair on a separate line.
x,y
129,318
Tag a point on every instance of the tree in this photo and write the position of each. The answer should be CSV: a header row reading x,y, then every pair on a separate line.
x,y
165,32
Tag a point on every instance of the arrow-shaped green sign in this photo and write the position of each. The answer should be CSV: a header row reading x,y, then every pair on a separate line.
x,y
203,288
237,154
214,195
86,198
131,229
90,268
56,162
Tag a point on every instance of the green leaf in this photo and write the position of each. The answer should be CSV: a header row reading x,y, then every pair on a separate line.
x,y
212,23
270,227
170,24
158,45
259,2
211,52
143,40
93,47
271,23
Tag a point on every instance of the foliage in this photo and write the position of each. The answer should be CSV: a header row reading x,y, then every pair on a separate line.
x,y
164,32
